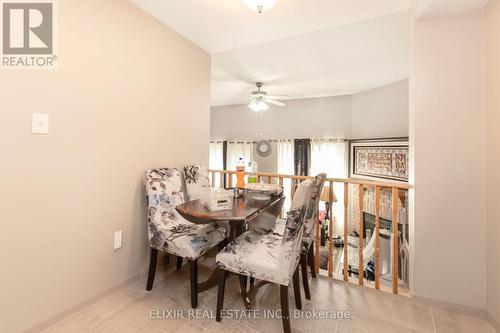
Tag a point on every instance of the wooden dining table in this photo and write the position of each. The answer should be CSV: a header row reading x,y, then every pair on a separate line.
x,y
245,210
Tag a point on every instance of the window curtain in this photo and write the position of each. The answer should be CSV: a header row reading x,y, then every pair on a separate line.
x,y
285,164
330,157
215,159
302,155
235,150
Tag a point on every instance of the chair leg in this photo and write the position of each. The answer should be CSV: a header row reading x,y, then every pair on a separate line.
x,y
194,283
305,277
285,311
152,269
220,293
310,254
252,281
179,262
243,285
296,289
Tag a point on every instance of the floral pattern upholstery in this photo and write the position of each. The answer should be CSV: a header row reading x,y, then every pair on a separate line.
x,y
274,256
169,231
311,213
268,257
196,178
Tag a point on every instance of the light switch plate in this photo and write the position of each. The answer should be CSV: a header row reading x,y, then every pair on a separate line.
x,y
40,123
117,243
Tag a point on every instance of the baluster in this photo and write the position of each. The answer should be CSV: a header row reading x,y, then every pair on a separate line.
x,y
269,180
346,203
361,242
317,242
377,237
230,180
213,179
222,175
330,231
395,257
292,188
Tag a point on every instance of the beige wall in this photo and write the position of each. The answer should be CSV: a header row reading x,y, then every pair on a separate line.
x,y
129,94
492,41
381,112
447,122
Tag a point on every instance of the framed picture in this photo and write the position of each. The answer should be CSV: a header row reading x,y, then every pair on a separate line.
x,y
377,159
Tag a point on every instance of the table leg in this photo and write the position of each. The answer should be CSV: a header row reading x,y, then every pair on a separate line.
x,y
210,282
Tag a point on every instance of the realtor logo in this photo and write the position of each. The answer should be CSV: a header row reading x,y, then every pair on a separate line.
x,y
28,34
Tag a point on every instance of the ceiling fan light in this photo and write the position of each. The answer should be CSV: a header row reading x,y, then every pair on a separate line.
x,y
254,106
258,105
263,106
259,5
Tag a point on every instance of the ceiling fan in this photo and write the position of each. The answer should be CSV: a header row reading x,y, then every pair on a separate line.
x,y
260,99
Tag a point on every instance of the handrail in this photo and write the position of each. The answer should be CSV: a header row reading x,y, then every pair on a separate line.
x,y
366,183
363,185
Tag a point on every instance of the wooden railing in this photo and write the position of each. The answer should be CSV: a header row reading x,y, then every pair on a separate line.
x,y
226,180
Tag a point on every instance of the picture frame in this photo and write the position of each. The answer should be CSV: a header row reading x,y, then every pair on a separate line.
x,y
376,159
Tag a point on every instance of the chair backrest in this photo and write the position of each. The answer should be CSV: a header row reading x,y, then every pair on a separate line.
x,y
292,236
195,178
313,205
164,190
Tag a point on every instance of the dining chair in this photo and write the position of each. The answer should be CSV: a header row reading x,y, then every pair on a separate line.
x,y
307,251
195,178
170,232
271,257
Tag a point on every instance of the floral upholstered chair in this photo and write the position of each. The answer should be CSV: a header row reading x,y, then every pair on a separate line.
x,y
271,257
171,233
195,178
310,220
307,253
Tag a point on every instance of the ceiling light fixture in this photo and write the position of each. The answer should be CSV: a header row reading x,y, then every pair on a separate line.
x,y
258,105
259,5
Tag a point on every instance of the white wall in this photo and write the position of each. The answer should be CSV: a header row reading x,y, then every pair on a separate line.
x,y
381,112
448,132
492,27
303,118
115,111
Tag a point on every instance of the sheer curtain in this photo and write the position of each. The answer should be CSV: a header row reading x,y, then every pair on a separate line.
x,y
285,165
330,156
235,150
215,159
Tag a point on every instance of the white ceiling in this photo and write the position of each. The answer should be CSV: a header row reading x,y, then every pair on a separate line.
x,y
222,25
299,48
338,61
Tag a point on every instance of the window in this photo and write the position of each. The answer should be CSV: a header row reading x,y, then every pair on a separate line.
x,y
215,159
235,150
330,157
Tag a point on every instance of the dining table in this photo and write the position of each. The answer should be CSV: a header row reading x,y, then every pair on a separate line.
x,y
245,210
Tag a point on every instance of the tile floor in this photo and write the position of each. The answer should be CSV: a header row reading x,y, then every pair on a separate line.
x,y
131,308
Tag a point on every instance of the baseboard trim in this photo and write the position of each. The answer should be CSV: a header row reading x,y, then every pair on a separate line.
x,y
57,318
464,309
494,323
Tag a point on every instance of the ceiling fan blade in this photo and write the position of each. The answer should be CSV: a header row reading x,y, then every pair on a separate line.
x,y
273,102
278,97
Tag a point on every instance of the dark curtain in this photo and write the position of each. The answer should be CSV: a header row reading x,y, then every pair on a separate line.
x,y
224,160
302,156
